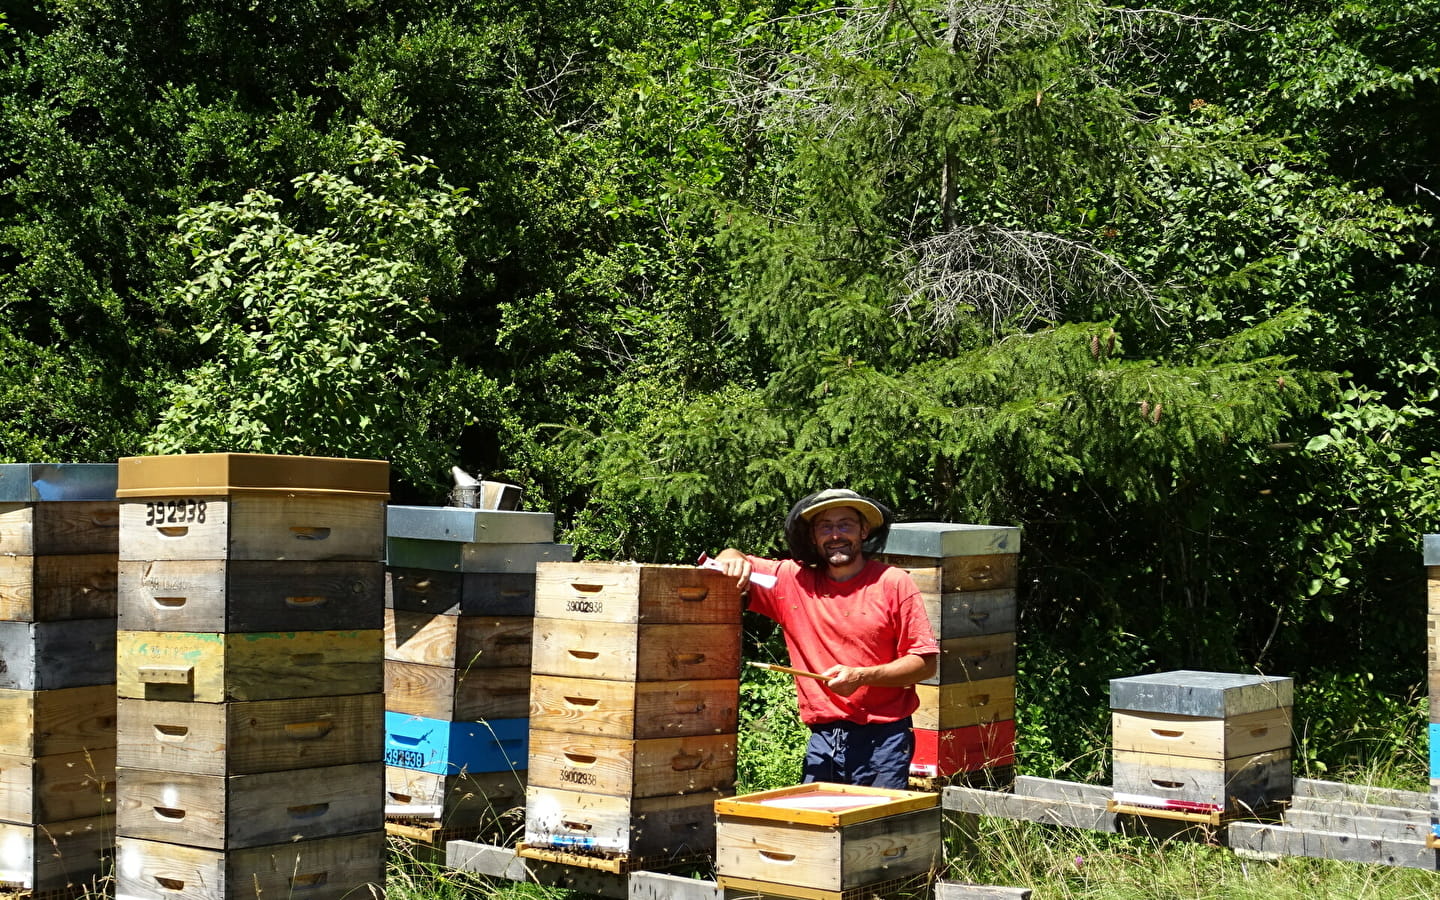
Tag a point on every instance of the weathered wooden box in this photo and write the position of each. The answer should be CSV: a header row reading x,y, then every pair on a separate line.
x,y
955,750
682,825
55,482
965,703
447,556
825,837
470,526
448,748
207,595
253,527
970,613
460,593
1215,695
226,813
34,790
47,656
1240,784
59,529
975,658
635,710
625,768
937,540
445,692
958,573
245,738
633,652
56,856
58,588
44,723
462,797
460,642
215,668
350,867
223,474
635,594
1199,736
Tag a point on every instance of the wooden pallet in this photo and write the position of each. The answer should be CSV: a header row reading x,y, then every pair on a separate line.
x,y
916,885
94,890
615,863
1212,819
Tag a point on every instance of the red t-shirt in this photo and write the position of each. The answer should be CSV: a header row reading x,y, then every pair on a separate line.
x,y
874,618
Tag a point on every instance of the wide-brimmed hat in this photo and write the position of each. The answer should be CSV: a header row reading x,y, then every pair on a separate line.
x,y
829,499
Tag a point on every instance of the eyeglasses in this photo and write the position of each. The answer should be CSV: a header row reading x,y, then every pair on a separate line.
x,y
845,526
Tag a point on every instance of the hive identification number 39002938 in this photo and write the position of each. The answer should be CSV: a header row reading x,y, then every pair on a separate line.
x,y
164,512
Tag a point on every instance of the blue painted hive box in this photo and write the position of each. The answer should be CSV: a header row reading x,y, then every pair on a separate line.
x,y
448,748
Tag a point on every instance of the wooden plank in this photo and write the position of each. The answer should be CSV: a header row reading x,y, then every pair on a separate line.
x,y
1244,735
1215,695
216,668
633,593
958,573
962,704
650,768
48,656
57,588
55,856
59,529
227,813
1057,789
484,642
1341,809
35,790
442,692
1274,840
250,595
660,886
46,723
460,593
975,658
828,858
248,527
954,890
244,738
1245,783
323,869
1411,829
634,652
970,613
226,473
634,710
750,889
776,804
1046,810
598,823
1308,788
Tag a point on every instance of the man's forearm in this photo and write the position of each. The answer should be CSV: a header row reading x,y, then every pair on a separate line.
x,y
903,672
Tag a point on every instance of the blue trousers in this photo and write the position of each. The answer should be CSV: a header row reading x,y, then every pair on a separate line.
x,y
845,753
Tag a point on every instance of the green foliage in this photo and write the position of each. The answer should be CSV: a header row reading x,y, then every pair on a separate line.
x,y
320,347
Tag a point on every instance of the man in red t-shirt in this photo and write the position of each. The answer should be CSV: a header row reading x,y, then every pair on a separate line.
x,y
856,621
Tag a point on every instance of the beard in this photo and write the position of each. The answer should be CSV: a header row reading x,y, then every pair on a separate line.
x,y
839,552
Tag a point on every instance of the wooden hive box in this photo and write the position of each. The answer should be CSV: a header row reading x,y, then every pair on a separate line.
x,y
626,768
1215,695
350,867
632,593
58,588
634,710
244,738
56,856
633,652
66,528
253,526
975,658
447,556
460,593
825,838
233,812
216,668
966,614
1243,784
955,750
448,748
210,595
445,692
681,825
47,656
56,482
44,723
459,642
58,788
965,703
459,798
470,526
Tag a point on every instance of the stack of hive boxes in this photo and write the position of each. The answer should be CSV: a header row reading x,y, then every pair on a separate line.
x,y
1201,742
1432,643
460,606
250,672
58,529
966,574
826,842
634,709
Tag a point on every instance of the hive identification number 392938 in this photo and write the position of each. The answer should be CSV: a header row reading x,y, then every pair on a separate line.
x,y
164,512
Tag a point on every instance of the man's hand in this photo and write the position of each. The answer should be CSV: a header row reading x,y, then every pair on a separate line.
x,y
903,672
846,680
735,564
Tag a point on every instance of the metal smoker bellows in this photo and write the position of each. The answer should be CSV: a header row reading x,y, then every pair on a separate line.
x,y
472,493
